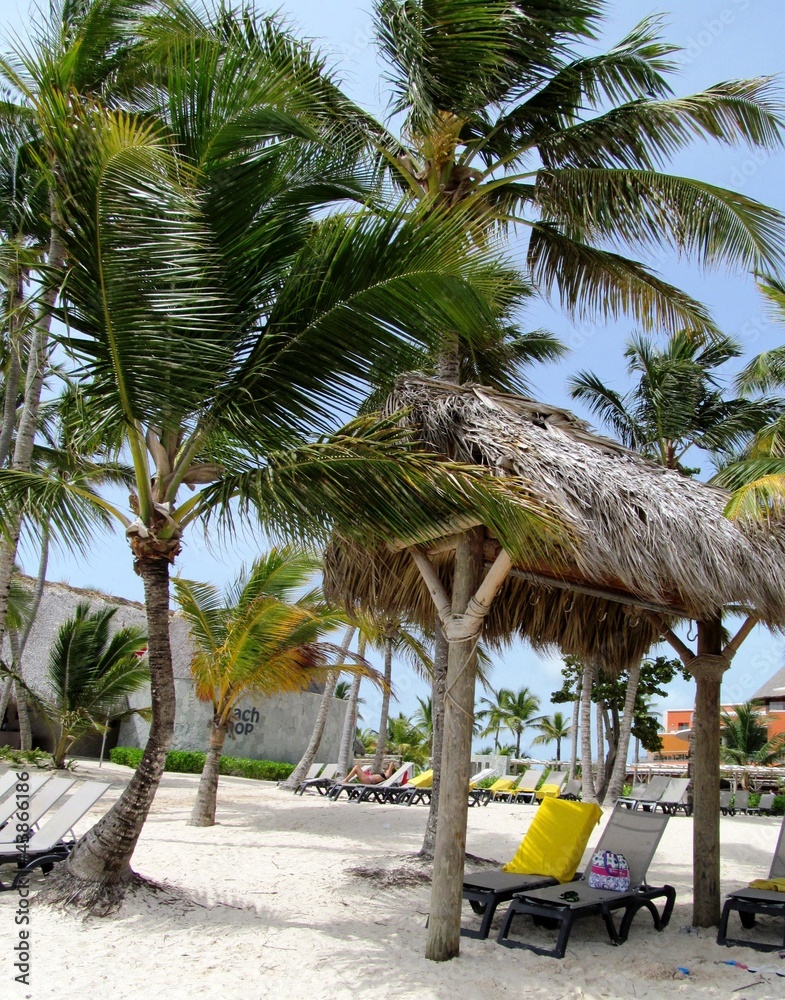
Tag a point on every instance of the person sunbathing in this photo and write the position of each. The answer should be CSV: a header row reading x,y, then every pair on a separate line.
x,y
370,777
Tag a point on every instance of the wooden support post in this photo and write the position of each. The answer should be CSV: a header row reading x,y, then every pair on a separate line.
x,y
444,925
707,668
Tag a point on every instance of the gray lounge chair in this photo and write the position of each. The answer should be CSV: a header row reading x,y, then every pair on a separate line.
x,y
38,804
763,807
633,833
320,784
645,794
528,784
750,903
49,844
725,797
741,802
9,803
572,789
674,798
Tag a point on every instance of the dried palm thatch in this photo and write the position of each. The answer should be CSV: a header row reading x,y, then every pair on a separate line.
x,y
644,537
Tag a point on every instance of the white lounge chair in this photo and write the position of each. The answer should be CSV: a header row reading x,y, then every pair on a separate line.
x,y
37,806
49,844
9,804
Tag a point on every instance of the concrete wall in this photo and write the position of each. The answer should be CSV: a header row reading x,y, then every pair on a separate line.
x,y
273,728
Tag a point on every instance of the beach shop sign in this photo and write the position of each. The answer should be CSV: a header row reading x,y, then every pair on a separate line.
x,y
244,720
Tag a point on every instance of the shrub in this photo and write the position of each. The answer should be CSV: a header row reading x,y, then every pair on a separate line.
x,y
778,806
38,758
192,762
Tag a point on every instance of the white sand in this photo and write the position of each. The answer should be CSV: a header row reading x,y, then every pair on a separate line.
x,y
263,906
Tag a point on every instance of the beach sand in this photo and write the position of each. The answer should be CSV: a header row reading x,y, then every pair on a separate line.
x,y
265,904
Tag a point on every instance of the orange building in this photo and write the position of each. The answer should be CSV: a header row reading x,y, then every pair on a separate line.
x,y
678,723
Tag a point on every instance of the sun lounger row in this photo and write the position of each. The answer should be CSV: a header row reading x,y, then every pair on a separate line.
x,y
672,795
738,802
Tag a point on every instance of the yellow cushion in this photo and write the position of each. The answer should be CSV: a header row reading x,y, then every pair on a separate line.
x,y
502,785
555,842
544,791
424,780
772,884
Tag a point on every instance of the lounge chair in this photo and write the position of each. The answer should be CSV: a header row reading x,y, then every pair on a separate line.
x,y
8,780
417,789
646,794
34,782
763,807
560,830
741,802
358,792
527,786
725,806
37,805
49,845
479,796
674,798
552,786
572,789
751,902
320,784
502,788
385,790
635,834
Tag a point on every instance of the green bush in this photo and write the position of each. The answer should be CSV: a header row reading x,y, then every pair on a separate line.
x,y
192,762
778,806
38,758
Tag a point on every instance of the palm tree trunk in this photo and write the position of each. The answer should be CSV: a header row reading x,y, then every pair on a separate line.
x,y
441,650
22,711
13,373
574,738
616,784
5,697
378,757
299,773
28,422
599,781
444,927
98,871
203,812
588,794
346,753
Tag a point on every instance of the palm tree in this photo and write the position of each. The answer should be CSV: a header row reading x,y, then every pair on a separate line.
x,y
746,740
90,672
423,717
406,740
677,402
503,113
553,728
77,52
497,113
254,639
513,710
213,321
493,715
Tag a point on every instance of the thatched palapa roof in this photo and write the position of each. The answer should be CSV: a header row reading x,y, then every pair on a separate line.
x,y
645,537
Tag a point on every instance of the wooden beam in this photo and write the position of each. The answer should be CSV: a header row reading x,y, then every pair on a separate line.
x,y
732,647
606,595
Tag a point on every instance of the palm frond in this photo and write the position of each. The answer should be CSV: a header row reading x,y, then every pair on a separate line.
x,y
590,281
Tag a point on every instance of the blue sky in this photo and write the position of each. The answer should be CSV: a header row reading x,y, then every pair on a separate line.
x,y
721,39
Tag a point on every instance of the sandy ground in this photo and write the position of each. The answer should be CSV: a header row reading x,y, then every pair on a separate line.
x,y
264,905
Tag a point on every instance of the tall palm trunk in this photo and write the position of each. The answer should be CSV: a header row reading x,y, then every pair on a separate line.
x,y
346,753
299,773
588,794
203,812
19,642
599,723
616,783
28,421
381,743
441,651
98,870
13,374
576,707
444,929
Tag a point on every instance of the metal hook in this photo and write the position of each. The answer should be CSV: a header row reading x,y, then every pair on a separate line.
x,y
635,621
535,603
691,638
603,617
569,609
